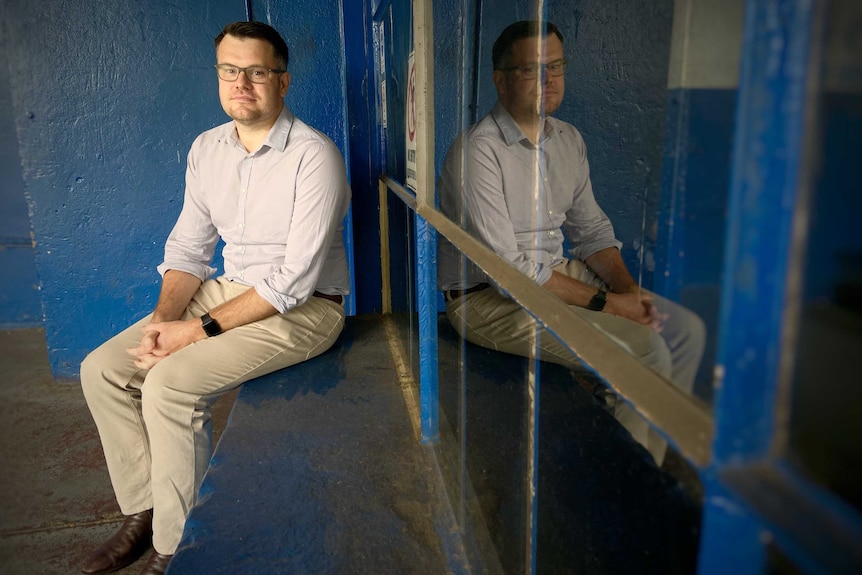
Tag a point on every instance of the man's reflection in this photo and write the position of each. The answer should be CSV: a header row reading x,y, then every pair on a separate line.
x,y
519,181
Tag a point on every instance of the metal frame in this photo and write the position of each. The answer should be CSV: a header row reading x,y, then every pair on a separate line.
x,y
753,497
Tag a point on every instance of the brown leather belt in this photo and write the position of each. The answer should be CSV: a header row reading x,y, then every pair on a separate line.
x,y
336,298
453,294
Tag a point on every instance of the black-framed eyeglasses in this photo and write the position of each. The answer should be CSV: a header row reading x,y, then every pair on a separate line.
x,y
531,71
255,74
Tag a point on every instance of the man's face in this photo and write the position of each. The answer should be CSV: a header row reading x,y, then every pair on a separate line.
x,y
530,99
249,104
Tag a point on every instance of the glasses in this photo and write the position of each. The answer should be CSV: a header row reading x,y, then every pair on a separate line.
x,y
255,74
531,71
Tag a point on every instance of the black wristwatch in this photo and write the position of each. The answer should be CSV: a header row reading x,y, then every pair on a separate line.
x,y
211,326
597,303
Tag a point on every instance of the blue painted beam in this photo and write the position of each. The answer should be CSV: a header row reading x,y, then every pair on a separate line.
x,y
765,187
426,294
766,192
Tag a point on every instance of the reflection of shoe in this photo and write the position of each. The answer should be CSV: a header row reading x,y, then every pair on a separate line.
x,y
130,542
156,564
606,398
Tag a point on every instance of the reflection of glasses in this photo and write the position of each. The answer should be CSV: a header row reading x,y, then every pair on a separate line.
x,y
531,71
256,74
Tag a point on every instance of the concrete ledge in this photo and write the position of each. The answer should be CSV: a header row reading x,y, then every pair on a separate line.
x,y
317,471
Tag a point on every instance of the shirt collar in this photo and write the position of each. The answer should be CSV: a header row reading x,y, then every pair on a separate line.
x,y
512,132
277,136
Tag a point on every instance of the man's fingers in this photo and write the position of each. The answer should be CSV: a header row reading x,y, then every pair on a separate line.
x,y
138,351
148,360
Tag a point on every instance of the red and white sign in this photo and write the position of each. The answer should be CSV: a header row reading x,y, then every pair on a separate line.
x,y
410,124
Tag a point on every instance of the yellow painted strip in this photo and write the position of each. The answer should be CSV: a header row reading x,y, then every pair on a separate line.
x,y
405,376
386,292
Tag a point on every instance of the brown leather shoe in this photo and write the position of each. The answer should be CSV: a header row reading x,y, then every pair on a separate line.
x,y
157,564
133,538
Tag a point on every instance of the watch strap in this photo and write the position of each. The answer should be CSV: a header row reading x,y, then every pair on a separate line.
x,y
598,301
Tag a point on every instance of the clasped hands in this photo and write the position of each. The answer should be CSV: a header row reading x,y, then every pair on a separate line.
x,y
636,305
161,339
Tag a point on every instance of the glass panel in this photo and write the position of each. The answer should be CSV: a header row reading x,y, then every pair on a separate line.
x,y
646,110
602,504
485,449
485,401
824,423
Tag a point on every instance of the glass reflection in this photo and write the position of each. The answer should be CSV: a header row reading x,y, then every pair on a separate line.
x,y
602,505
824,422
519,181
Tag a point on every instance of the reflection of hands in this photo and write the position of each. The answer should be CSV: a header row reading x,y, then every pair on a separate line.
x,y
636,306
161,339
632,305
657,318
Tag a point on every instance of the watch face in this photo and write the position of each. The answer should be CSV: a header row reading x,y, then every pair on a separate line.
x,y
598,301
211,326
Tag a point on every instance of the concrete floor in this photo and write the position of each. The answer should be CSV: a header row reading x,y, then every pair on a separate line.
x,y
56,501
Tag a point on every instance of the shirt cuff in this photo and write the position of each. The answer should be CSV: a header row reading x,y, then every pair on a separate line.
x,y
584,251
543,274
200,271
279,301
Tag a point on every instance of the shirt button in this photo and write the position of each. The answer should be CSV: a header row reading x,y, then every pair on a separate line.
x,y
241,225
550,212
551,233
545,179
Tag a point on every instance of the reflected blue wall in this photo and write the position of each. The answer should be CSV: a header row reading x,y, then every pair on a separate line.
x,y
106,100
616,90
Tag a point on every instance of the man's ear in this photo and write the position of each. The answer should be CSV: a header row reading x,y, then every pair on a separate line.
x,y
284,80
500,81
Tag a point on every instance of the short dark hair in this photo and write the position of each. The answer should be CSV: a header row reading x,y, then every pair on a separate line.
x,y
260,31
518,31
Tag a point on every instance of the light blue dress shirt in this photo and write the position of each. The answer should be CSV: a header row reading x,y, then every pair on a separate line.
x,y
278,209
520,199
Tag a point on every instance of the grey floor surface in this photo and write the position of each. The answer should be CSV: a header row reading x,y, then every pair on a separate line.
x,y
56,501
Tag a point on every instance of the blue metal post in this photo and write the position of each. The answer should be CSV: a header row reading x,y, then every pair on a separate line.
x,y
731,537
426,300
765,182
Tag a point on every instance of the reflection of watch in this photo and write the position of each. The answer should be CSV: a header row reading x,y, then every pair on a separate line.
x,y
598,302
211,326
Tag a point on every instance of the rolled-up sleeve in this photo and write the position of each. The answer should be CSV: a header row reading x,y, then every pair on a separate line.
x,y
191,244
586,225
321,199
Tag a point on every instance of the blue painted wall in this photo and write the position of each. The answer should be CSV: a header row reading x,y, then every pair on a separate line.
x,y
695,176
106,100
19,293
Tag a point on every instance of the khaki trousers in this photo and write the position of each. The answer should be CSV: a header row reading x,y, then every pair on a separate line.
x,y
490,320
155,424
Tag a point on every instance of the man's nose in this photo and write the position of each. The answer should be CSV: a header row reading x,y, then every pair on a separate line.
x,y
242,80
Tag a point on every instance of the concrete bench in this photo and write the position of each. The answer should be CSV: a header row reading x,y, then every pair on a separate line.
x,y
318,471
